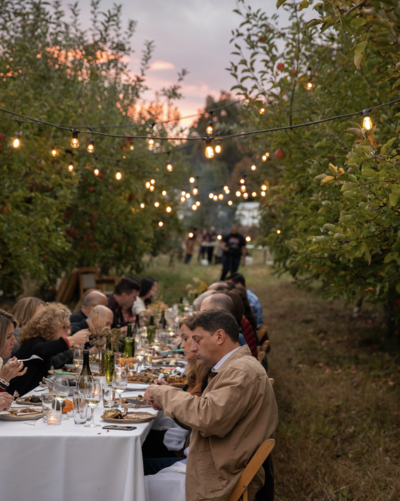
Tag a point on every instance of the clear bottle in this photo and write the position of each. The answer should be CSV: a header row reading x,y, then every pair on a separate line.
x,y
151,330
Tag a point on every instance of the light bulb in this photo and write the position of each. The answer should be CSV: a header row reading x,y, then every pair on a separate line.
x,y
194,207
118,175
74,139
209,149
156,204
192,180
198,203
248,239
183,199
195,191
253,167
168,209
151,188
151,143
160,224
142,205
242,181
254,194
147,184
263,187
230,202
245,195
367,122
309,85
263,193
187,195
226,188
262,111
183,193
132,147
215,198
169,167
219,237
218,148
264,158
96,172
90,146
164,193
243,187
210,128
227,192
190,235
17,141
238,193
54,152
152,181
71,167
211,195
278,231
221,196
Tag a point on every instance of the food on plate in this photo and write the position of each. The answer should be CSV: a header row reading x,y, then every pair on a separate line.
x,y
33,399
114,414
27,410
176,380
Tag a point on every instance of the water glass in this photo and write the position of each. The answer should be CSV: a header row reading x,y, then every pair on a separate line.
x,y
108,397
80,408
48,404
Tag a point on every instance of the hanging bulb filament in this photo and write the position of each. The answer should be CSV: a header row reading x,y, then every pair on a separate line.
x,y
90,146
209,149
367,122
75,139
218,148
118,175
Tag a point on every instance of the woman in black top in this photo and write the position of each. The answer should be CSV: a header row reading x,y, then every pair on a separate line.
x,y
45,335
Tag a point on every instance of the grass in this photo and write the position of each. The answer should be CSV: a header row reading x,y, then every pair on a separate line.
x,y
336,384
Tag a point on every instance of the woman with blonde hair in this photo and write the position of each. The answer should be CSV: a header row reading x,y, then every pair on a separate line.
x,y
45,335
13,368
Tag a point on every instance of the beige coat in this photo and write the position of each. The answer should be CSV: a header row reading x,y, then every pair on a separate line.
x,y
235,414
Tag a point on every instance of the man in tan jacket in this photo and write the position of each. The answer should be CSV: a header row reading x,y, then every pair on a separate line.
x,y
235,414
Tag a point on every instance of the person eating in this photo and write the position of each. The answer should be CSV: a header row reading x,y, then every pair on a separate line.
x,y
91,299
235,414
121,301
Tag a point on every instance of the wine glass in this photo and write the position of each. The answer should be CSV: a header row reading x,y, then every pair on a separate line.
x,y
120,383
61,389
78,358
91,392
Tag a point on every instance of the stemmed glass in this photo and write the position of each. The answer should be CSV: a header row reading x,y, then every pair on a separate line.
x,y
78,358
120,383
91,392
61,390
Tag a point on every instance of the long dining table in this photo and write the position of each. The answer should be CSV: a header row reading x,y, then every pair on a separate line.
x,y
40,462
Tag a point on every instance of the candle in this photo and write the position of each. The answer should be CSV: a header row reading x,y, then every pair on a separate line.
x,y
54,417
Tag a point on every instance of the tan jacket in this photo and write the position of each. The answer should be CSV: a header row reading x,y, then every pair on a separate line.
x,y
235,414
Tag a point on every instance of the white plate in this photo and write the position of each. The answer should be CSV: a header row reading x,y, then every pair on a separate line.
x,y
6,416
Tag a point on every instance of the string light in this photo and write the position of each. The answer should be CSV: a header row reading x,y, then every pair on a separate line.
x,y
248,239
192,179
230,202
243,187
168,209
263,193
218,148
262,111
156,204
221,196
152,181
164,193
263,187
367,122
71,166
211,195
209,149
17,140
150,142
147,184
195,190
118,175
74,139
170,168
210,128
278,231
190,235
226,188
142,206
219,237
183,199
253,167
238,193
198,203
245,195
227,192
132,147
254,194
194,207
265,156
90,146
183,193
96,172
54,152
215,198
187,195
151,187
160,224
309,85
242,181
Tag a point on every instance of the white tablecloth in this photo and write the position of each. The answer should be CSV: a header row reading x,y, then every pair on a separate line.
x,y
70,462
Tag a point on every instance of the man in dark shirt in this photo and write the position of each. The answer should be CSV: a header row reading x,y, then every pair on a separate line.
x,y
210,249
121,301
92,299
234,247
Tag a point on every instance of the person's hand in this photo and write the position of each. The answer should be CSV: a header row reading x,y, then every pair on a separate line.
x,y
78,338
149,397
5,401
160,382
12,369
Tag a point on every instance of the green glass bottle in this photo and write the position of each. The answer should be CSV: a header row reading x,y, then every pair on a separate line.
x,y
129,348
163,321
181,307
151,330
109,363
86,373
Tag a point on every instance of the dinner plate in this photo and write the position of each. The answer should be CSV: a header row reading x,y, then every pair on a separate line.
x,y
143,417
133,401
6,416
24,401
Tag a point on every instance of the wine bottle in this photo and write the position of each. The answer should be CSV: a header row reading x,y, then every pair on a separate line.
x,y
129,349
163,321
86,373
151,330
109,363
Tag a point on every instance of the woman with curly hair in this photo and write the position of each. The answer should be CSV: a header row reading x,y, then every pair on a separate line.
x,y
45,335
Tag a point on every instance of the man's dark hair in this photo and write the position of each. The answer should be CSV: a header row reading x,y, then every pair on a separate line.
x,y
127,285
237,278
212,320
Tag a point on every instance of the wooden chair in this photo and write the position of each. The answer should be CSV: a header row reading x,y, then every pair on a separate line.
x,y
107,284
87,279
251,469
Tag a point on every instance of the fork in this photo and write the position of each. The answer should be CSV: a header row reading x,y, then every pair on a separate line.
x,y
33,357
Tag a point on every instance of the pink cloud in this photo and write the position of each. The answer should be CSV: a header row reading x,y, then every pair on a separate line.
x,y
161,65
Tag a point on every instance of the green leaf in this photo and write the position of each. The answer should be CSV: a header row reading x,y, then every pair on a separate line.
x,y
327,179
279,3
398,288
393,197
390,257
314,22
359,52
386,147
303,4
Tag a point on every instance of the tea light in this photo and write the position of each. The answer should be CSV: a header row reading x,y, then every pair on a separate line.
x,y
54,417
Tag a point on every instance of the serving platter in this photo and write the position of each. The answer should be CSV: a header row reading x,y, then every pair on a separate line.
x,y
141,417
7,416
26,401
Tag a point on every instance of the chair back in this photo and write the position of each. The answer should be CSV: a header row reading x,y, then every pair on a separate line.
x,y
251,469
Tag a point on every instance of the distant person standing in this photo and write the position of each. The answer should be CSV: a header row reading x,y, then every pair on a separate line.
x,y
219,252
204,240
210,250
190,240
234,247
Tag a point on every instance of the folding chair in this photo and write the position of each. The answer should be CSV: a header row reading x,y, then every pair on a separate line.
x,y
251,469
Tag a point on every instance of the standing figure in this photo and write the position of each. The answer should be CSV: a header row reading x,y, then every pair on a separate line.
x,y
234,247
204,239
190,240
210,250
